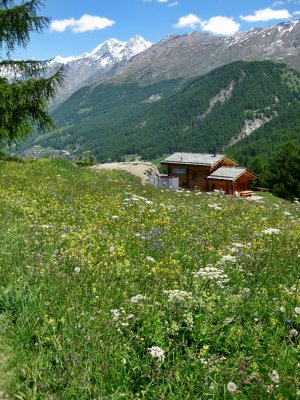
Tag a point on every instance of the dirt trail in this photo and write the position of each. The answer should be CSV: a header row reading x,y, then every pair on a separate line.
x,y
142,169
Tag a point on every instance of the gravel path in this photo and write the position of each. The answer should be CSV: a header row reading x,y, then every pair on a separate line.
x,y
142,169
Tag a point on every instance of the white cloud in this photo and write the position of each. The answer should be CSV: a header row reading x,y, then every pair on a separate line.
x,y
221,26
85,23
175,3
188,21
61,25
218,25
278,3
267,14
296,13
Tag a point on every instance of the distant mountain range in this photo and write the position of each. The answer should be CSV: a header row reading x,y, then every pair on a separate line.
x,y
176,56
198,53
186,93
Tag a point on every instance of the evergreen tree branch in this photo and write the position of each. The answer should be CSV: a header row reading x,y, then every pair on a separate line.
x,y
16,23
22,69
24,104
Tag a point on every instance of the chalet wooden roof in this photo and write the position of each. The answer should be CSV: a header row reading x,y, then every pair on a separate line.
x,y
194,159
230,173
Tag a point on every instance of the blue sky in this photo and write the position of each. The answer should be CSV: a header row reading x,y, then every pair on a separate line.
x,y
80,25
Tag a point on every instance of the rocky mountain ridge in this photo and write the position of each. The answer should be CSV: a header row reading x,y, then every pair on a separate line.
x,y
93,66
198,53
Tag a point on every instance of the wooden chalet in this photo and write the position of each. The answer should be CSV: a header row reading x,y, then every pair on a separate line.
x,y
208,172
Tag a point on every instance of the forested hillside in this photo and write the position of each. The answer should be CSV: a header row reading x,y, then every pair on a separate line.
x,y
244,109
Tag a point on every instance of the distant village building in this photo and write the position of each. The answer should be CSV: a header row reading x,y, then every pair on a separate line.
x,y
208,172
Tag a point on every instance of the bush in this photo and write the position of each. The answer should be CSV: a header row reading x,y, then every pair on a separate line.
x,y
86,159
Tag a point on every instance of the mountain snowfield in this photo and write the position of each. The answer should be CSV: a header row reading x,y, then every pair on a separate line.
x,y
92,67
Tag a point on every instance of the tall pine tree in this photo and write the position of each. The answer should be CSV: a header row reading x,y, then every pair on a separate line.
x,y
25,89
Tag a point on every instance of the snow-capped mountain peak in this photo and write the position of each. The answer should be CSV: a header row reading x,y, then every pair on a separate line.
x,y
63,60
109,55
113,48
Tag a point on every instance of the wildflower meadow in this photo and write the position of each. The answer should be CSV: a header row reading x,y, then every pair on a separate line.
x,y
110,289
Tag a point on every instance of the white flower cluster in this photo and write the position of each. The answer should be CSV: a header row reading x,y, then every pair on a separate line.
x,y
211,273
178,296
274,376
157,352
118,316
226,258
150,259
137,298
215,206
116,313
231,387
297,310
271,231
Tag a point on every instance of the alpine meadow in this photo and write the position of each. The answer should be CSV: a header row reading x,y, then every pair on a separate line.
x,y
111,289
114,287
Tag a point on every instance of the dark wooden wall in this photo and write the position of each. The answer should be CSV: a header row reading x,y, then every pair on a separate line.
x,y
195,176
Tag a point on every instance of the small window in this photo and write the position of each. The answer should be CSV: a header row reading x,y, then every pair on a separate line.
x,y
194,175
179,171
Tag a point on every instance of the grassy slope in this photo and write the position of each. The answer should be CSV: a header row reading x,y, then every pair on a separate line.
x,y
76,245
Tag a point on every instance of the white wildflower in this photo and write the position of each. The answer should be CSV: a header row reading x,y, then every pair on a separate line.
x,y
231,387
157,352
228,320
189,320
212,274
115,217
239,245
137,298
270,388
77,270
115,313
293,333
271,231
45,226
245,292
274,376
111,249
175,296
297,310
150,259
215,206
227,257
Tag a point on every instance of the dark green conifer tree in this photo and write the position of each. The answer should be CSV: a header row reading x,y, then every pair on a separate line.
x,y
25,89
284,171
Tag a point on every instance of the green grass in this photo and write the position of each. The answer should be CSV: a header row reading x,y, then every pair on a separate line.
x,y
77,247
